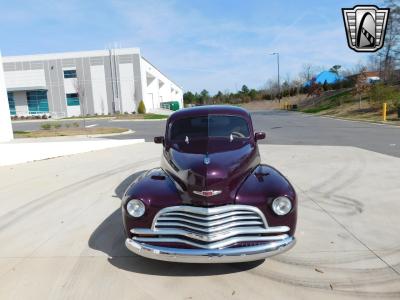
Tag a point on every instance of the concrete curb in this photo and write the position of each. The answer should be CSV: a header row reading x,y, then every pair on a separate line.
x,y
16,153
60,120
138,120
108,134
361,121
76,136
350,120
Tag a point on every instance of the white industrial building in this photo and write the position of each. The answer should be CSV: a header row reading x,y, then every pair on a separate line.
x,y
6,133
91,82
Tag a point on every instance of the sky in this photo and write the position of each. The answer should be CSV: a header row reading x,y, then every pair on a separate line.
x,y
199,44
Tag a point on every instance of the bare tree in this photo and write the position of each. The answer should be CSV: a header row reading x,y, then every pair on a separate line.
x,y
80,90
361,85
271,87
308,71
390,51
315,89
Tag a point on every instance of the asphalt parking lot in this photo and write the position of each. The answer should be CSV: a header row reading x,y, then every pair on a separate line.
x,y
61,234
283,128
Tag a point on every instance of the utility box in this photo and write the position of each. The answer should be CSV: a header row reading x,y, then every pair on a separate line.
x,y
171,105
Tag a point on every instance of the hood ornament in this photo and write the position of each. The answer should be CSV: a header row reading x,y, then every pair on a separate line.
x,y
207,193
207,160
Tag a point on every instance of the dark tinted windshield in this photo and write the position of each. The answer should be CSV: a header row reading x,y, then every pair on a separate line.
x,y
210,126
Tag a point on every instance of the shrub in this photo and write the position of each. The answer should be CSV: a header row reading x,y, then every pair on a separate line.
x,y
67,125
380,93
75,124
141,108
45,126
57,125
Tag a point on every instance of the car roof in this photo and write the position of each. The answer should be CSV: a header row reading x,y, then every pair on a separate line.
x,y
210,110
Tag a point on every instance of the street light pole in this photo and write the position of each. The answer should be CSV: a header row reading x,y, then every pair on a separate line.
x,y
279,84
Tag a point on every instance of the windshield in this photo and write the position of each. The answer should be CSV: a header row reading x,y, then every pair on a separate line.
x,y
209,126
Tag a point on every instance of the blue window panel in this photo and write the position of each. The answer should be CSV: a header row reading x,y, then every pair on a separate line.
x,y
69,73
37,102
11,103
72,99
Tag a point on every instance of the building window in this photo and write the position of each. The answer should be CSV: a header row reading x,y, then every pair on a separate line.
x,y
72,99
11,103
69,73
37,102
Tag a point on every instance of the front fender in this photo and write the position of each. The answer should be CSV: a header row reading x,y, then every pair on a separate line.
x,y
156,190
261,187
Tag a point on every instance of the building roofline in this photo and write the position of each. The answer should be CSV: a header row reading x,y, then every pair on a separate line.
x,y
66,55
161,72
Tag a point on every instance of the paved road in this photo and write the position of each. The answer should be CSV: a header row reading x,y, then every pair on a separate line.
x,y
284,128
61,231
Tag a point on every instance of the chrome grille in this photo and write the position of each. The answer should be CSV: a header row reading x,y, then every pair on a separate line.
x,y
210,228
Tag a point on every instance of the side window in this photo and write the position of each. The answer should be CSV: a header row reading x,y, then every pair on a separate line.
x,y
72,99
69,73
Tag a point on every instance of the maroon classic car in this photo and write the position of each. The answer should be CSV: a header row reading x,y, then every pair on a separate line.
x,y
212,200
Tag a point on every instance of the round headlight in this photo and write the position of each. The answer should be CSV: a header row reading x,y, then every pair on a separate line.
x,y
281,206
135,208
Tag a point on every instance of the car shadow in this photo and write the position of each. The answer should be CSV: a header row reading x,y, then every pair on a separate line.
x,y
109,237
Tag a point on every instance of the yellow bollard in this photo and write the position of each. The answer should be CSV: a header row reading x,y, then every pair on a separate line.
x,y
384,111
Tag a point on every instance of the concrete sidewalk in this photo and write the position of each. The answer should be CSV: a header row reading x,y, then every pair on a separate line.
x,y
61,231
27,150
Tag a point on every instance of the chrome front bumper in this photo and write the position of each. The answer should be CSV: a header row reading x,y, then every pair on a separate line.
x,y
226,255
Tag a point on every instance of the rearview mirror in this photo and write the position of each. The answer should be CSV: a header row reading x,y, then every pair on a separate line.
x,y
259,136
159,139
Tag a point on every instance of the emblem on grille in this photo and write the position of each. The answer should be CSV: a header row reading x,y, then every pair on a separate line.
x,y
207,193
207,160
365,27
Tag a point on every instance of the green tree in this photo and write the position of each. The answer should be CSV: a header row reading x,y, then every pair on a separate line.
x,y
219,97
253,94
204,96
189,97
245,90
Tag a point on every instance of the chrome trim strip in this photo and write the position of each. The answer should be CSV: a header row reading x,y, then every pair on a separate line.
x,y
207,211
228,255
210,229
208,223
215,245
209,218
210,237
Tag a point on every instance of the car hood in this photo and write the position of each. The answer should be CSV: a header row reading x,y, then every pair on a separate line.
x,y
220,166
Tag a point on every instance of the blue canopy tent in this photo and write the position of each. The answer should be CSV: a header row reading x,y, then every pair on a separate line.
x,y
328,76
